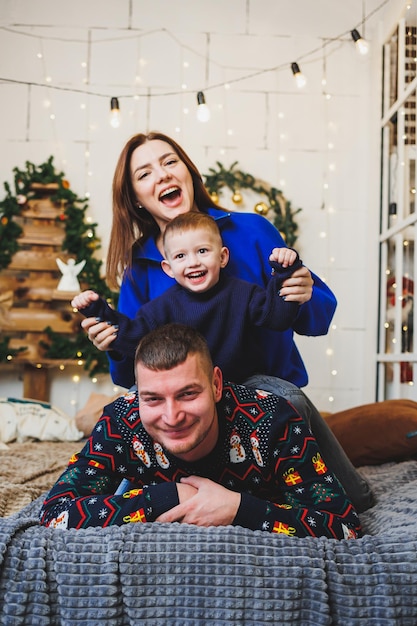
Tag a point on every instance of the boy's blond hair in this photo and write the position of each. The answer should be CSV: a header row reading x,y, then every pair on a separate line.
x,y
191,221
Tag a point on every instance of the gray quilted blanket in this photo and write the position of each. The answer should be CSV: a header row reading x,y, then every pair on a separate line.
x,y
179,575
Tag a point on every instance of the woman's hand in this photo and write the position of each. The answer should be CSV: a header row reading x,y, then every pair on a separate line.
x,y
299,287
101,334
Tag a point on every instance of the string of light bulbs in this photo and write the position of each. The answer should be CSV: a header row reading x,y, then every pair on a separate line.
x,y
324,234
203,111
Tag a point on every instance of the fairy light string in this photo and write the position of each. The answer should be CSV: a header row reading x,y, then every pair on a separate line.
x,y
345,35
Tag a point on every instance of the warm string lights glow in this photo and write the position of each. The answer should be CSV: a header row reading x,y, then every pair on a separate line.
x,y
300,79
398,322
78,385
396,359
329,167
203,113
362,45
115,117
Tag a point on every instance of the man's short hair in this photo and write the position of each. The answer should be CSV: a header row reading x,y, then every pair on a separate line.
x,y
191,221
168,346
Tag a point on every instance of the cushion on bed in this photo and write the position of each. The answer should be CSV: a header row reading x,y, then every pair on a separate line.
x,y
23,419
86,418
377,433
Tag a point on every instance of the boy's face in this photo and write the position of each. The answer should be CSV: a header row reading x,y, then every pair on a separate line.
x,y
194,258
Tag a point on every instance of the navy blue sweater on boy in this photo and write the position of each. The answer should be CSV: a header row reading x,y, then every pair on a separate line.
x,y
225,315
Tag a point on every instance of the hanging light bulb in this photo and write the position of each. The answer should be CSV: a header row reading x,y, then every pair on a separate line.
x,y
300,79
114,113
203,112
361,44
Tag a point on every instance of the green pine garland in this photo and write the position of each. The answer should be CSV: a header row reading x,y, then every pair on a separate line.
x,y
9,229
79,347
236,180
7,353
80,241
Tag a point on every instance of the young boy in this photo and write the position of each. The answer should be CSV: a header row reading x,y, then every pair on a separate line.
x,y
223,309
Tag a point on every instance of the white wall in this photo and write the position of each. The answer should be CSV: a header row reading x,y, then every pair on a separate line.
x,y
155,56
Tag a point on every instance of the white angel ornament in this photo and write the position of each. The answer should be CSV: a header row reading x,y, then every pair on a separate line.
x,y
70,271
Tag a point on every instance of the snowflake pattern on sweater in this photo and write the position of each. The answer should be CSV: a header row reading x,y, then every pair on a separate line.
x,y
265,451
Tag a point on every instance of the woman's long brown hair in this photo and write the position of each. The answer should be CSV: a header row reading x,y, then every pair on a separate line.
x,y
131,225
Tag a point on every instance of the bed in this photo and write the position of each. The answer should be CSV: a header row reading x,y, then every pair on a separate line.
x,y
174,574
183,575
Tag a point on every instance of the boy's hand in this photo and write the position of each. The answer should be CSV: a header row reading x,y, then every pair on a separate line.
x,y
284,256
84,299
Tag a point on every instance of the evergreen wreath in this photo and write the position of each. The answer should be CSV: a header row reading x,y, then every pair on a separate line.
x,y
80,241
236,180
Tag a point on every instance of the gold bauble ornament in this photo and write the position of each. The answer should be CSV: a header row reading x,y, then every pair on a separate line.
x,y
214,196
261,208
237,197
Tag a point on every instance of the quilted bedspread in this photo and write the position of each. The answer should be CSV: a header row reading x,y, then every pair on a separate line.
x,y
179,575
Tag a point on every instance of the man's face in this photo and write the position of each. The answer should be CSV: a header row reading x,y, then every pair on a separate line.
x,y
178,407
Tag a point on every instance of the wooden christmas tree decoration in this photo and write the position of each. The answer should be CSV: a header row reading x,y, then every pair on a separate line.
x,y
42,228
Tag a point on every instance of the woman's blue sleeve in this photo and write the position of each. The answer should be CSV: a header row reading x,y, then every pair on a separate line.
x,y
251,238
131,298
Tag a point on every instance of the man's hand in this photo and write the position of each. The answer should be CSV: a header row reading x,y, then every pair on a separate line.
x,y
212,504
185,492
299,287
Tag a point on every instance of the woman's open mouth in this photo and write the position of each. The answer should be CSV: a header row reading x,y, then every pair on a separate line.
x,y
170,196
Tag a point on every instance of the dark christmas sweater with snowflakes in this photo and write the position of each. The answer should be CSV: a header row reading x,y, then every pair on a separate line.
x,y
265,451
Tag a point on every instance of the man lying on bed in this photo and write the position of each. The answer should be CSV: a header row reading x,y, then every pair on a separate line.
x,y
201,452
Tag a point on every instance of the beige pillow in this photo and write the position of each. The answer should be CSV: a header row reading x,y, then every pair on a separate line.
x,y
87,417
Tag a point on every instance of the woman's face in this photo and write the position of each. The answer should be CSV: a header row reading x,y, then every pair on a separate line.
x,y
161,182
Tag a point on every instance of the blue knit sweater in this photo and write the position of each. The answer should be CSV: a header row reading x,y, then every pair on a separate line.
x,y
250,238
225,315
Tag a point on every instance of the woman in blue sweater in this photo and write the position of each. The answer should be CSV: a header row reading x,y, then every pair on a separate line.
x,y
155,181
224,309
